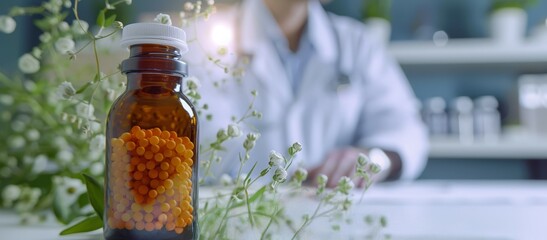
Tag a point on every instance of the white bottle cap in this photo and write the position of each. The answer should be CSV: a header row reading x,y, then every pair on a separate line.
x,y
154,33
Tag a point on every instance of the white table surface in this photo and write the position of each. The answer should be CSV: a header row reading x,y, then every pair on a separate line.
x,y
422,210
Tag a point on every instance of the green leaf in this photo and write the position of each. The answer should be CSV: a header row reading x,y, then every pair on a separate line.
x,y
86,225
110,20
95,192
253,198
101,18
61,210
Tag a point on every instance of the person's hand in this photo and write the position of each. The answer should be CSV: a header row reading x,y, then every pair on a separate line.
x,y
338,163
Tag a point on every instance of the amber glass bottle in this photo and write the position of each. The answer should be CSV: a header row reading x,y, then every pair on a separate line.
x,y
152,142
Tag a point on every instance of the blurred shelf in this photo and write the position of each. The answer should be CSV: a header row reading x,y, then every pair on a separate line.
x,y
523,148
530,56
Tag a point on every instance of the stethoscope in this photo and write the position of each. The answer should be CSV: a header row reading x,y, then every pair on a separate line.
x,y
342,80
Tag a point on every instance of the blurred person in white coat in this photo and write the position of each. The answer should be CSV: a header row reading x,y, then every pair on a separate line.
x,y
321,81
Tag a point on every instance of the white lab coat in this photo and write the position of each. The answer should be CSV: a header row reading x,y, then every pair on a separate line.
x,y
377,109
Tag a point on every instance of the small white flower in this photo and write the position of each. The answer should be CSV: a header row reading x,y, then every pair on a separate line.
x,y
40,164
322,179
65,90
17,142
362,160
33,134
280,175
192,83
67,3
233,130
301,174
64,45
221,135
163,19
11,193
65,156
69,189
45,37
345,185
97,143
94,126
249,142
85,110
7,24
128,2
63,26
211,2
226,180
28,199
297,147
6,99
79,28
188,6
96,168
18,125
276,160
36,52
117,24
28,64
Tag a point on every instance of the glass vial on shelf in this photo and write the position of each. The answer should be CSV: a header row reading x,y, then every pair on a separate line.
x,y
435,116
487,119
461,119
152,142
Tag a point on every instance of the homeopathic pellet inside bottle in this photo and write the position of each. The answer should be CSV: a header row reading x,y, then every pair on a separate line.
x,y
152,142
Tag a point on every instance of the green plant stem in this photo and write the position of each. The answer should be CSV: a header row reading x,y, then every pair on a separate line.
x,y
272,217
307,221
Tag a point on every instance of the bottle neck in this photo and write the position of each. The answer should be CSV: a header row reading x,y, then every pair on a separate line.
x,y
154,58
154,83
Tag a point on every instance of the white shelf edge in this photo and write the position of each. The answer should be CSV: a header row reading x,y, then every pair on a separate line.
x,y
468,51
501,149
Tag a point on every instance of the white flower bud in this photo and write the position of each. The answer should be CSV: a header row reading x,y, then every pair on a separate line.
x,y
163,19
33,134
276,160
233,130
97,143
322,179
280,175
192,83
28,64
297,147
63,26
64,45
36,52
375,168
188,6
11,193
345,185
45,37
85,110
66,90
221,135
301,174
96,168
39,164
17,142
7,24
362,160
6,99
128,2
65,156
79,28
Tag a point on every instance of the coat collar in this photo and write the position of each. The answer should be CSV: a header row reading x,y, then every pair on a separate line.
x,y
254,29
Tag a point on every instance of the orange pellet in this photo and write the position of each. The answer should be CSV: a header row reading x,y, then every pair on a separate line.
x,y
160,189
141,167
158,157
150,165
135,129
171,144
173,134
117,143
140,134
168,153
130,146
140,151
125,137
153,193
165,135
156,132
180,148
179,230
163,217
175,161
163,175
165,207
155,148
148,155
149,227
168,184
143,189
154,140
153,173
143,142
164,166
